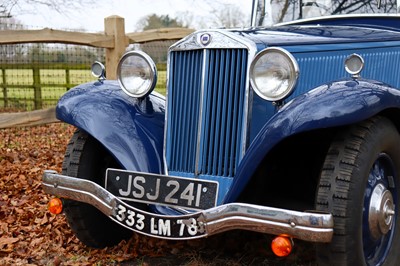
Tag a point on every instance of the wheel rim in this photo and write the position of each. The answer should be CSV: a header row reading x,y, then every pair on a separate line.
x,y
380,207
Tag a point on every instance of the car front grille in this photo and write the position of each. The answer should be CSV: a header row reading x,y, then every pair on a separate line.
x,y
206,109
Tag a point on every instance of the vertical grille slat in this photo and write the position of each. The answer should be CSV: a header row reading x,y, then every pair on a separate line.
x,y
181,134
178,134
194,114
183,114
240,107
218,107
214,114
228,171
206,123
204,133
222,141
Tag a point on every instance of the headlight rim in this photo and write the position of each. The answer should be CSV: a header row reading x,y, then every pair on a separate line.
x,y
153,69
296,71
348,68
95,73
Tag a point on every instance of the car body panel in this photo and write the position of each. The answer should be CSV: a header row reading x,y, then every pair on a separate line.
x,y
100,108
319,108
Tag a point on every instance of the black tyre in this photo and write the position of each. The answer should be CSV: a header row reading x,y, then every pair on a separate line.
x,y
359,185
86,158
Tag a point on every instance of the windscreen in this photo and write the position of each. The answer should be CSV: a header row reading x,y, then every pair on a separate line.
x,y
288,10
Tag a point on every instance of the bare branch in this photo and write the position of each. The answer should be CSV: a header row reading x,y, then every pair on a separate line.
x,y
8,8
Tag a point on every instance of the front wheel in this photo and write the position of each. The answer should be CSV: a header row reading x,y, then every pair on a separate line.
x,y
359,185
86,158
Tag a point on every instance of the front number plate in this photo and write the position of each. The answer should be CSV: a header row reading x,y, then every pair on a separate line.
x,y
186,193
167,227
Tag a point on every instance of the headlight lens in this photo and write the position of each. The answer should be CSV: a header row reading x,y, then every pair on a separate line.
x,y
137,74
98,70
273,73
354,64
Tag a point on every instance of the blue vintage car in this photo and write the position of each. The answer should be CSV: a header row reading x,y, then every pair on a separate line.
x,y
290,129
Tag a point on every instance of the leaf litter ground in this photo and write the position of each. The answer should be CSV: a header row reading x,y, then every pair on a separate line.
x,y
30,235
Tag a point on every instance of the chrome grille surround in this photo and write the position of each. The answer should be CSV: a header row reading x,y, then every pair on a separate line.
x,y
201,110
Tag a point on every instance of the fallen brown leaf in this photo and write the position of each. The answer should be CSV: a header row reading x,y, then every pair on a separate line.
x,y
7,240
30,235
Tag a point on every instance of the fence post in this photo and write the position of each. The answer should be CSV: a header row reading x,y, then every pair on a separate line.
x,y
5,94
115,25
37,88
67,79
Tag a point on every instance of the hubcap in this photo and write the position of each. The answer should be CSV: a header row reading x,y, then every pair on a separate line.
x,y
381,212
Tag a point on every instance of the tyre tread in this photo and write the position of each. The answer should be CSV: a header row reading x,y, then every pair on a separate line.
x,y
334,187
342,186
80,215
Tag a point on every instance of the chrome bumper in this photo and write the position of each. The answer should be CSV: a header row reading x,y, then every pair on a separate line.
x,y
308,226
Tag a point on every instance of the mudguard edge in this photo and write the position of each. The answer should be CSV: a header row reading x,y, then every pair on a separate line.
x,y
336,104
130,129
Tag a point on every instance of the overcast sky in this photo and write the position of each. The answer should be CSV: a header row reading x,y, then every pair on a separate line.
x,y
92,19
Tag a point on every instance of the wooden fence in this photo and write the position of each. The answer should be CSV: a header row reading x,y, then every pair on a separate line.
x,y
114,40
25,119
37,84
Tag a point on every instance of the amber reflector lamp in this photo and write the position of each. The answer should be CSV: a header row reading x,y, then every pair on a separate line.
x,y
282,246
55,206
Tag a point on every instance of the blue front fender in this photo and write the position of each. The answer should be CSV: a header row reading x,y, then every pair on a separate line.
x,y
336,104
132,130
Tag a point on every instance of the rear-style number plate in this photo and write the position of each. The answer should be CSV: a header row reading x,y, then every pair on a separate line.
x,y
186,193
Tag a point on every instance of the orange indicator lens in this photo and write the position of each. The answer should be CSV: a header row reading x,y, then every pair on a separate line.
x,y
55,206
282,246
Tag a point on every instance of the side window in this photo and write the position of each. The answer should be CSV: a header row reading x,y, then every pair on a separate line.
x,y
365,7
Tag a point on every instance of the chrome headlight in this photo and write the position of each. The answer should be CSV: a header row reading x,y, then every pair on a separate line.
x,y
98,70
273,73
137,74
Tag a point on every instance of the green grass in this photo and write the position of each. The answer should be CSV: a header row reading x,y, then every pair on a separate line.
x,y
161,82
23,97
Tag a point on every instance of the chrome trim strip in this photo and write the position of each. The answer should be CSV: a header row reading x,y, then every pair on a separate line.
x,y
246,105
257,13
221,39
330,17
308,226
201,113
166,114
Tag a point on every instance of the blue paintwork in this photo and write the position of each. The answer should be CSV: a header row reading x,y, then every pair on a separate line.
x,y
389,22
319,67
377,39
131,133
317,35
335,104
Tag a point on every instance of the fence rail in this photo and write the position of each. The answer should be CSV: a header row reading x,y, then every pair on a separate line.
x,y
114,40
26,119
56,36
35,81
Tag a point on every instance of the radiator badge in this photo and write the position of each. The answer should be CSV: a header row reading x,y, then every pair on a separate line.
x,y
205,39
